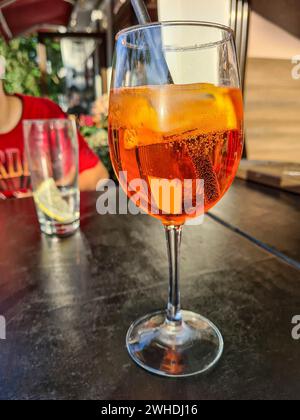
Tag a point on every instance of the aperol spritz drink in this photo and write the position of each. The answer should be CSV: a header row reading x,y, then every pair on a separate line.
x,y
176,140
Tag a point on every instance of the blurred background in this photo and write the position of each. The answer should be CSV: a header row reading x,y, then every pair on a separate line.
x,y
62,49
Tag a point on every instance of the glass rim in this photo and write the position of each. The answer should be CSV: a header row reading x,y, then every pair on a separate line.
x,y
38,121
207,24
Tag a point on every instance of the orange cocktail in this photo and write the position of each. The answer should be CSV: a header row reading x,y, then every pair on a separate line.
x,y
177,132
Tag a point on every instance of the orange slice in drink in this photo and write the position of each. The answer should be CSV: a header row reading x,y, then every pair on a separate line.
x,y
156,114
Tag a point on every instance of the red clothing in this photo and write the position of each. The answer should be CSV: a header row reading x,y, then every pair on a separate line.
x,y
14,173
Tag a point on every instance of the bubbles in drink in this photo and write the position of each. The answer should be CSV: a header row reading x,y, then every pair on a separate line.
x,y
182,132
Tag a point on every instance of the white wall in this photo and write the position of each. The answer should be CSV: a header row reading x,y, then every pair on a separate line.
x,y
207,10
188,67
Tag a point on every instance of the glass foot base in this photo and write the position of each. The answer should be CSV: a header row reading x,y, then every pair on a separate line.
x,y
166,349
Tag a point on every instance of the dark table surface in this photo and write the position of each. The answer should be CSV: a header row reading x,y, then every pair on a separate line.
x,y
68,304
269,215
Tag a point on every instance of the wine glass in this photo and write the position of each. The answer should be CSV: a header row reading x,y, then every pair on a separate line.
x,y
176,127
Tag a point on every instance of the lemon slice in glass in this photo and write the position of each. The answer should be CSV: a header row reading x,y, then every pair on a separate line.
x,y
49,201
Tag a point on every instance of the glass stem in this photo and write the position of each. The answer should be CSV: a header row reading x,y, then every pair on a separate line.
x,y
174,235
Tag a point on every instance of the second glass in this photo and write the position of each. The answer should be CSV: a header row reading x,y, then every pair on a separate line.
x,y
52,153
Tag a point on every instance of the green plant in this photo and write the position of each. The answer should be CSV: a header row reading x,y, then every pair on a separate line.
x,y
55,84
22,72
